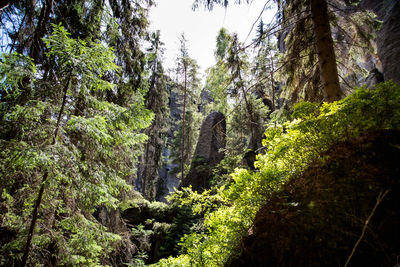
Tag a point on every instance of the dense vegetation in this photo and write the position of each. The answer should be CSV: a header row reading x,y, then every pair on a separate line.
x,y
56,157
93,129
291,148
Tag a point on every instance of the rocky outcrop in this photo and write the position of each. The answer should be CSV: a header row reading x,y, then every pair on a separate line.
x,y
149,222
208,152
205,99
318,217
388,37
156,228
149,162
168,179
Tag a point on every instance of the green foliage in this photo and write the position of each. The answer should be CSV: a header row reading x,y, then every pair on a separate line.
x,y
180,261
202,203
353,41
184,222
238,126
221,172
223,42
90,59
290,148
91,163
155,209
217,83
97,241
140,231
305,110
193,120
156,100
187,89
16,70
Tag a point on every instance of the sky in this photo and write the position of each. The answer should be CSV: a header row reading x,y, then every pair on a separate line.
x,y
174,17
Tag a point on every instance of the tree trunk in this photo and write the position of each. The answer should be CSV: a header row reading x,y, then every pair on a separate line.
x,y
150,164
183,124
272,79
326,53
44,180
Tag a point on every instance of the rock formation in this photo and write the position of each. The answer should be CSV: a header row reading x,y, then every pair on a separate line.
x,y
168,180
208,152
388,37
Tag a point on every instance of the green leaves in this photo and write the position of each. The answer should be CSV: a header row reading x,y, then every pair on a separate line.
x,y
88,61
87,243
16,70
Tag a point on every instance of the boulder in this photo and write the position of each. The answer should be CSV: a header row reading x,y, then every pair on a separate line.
x,y
208,152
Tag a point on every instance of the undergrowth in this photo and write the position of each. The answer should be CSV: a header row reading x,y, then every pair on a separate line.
x,y
229,211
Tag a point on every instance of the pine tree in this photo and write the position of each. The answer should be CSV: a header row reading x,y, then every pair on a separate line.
x,y
236,97
218,78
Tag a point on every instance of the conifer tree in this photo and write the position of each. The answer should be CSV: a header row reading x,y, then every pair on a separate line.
x,y
187,86
238,66
218,78
155,100
313,62
235,96
325,50
264,66
309,64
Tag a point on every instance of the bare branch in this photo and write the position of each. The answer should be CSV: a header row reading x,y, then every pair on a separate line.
x,y
380,198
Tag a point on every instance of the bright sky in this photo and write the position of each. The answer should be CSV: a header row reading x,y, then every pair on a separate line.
x,y
173,17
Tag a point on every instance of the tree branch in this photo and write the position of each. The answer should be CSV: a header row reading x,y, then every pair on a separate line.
x,y
380,198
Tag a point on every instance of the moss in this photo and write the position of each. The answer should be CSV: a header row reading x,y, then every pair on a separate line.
x,y
136,200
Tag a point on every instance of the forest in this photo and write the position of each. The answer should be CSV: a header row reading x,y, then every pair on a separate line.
x,y
286,154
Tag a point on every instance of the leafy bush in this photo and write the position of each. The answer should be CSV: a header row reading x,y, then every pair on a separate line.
x,y
290,147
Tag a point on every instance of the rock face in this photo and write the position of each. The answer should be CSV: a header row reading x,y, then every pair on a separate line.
x,y
207,154
388,37
205,98
149,222
317,218
147,170
168,180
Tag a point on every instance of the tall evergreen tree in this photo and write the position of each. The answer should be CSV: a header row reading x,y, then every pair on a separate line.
x,y
156,100
264,66
325,50
235,96
188,86
238,65
313,62
218,79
